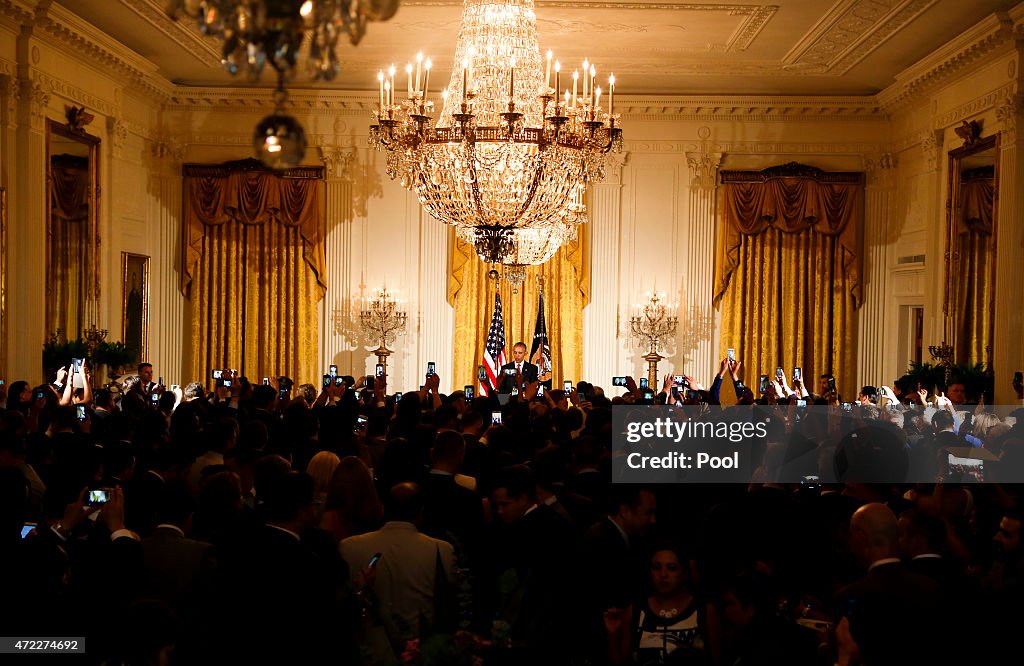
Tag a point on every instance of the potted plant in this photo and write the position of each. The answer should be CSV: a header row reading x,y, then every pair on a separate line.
x,y
115,355
58,354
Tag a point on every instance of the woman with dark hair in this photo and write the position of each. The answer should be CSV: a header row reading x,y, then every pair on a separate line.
x,y
669,625
19,396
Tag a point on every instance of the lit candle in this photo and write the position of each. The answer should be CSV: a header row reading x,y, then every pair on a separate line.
x,y
586,68
575,81
419,66
380,80
611,95
593,78
426,78
391,77
512,79
567,98
387,92
465,78
547,74
472,54
408,73
597,102
558,77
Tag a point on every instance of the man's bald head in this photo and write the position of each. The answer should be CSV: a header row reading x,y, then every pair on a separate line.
x,y
874,533
404,502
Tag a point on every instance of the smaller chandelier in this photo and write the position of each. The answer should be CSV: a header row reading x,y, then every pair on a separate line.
x,y
279,140
261,32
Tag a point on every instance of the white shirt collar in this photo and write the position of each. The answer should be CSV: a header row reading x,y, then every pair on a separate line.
x,y
884,560
286,531
171,527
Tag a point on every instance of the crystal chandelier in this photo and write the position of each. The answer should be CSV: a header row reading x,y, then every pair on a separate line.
x,y
261,32
508,151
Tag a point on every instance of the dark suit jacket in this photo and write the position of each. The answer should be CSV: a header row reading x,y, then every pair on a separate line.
x,y
452,513
894,616
506,382
178,569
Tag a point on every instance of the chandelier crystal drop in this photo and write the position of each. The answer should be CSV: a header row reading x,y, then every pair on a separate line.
x,y
515,142
257,33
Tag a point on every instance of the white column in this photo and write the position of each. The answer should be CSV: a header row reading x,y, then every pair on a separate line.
x,y
436,330
872,335
1008,351
10,91
26,237
339,325
934,194
601,315
697,336
168,338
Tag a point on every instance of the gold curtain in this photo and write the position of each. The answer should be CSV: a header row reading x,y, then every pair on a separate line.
x,y
69,260
976,268
566,292
253,270
788,277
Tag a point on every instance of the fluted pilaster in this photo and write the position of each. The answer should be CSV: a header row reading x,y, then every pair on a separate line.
x,y
698,333
167,335
435,340
1008,352
872,336
339,324
600,317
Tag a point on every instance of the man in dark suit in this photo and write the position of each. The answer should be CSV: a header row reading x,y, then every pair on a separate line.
x,y
892,611
451,512
524,372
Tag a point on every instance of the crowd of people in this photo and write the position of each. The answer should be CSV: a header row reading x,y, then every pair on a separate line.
x,y
278,523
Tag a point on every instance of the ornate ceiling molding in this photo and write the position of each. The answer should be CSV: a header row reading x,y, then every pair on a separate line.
x,y
992,99
66,28
757,148
61,88
195,98
849,32
20,11
753,108
180,32
989,35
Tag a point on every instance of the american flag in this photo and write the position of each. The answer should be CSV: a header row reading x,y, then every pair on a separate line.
x,y
494,353
540,338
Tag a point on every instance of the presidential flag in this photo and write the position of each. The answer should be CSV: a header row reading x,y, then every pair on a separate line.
x,y
494,352
540,340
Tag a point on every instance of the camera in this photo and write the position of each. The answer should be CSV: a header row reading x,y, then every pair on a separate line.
x,y
801,403
97,497
779,373
540,390
515,390
810,482
832,384
431,366
618,381
678,380
80,412
468,390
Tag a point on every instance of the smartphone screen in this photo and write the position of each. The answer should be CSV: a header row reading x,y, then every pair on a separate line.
x,y
730,353
155,398
468,390
374,560
266,381
40,395
96,497
618,381
26,529
80,412
227,383
332,371
398,398
380,371
798,375
481,373
217,374
643,382
540,390
283,394
430,368
779,372
832,384
339,381
496,418
567,386
327,380
764,384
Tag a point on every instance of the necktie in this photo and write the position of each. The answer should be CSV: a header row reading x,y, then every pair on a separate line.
x,y
519,368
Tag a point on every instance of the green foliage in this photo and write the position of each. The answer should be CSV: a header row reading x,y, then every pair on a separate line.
x,y
114,355
977,378
57,354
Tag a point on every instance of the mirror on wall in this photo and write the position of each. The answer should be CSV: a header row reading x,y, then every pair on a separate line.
x,y
970,242
72,234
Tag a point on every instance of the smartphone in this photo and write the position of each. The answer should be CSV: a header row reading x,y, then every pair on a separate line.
x,y
26,529
801,403
160,381
398,398
847,406
339,381
643,382
515,390
1018,378
511,372
678,380
40,395
618,381
675,392
496,418
374,560
327,380
779,373
648,394
567,386
370,383
2,382
282,394
481,373
174,387
431,366
227,383
155,397
379,372
76,365
361,423
691,395
540,390
217,374
832,384
764,384
468,390
358,394
80,411
581,397
266,381
798,375
730,354
332,371
97,497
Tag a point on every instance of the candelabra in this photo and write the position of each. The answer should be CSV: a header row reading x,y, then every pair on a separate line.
x,y
93,337
653,326
943,353
382,321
